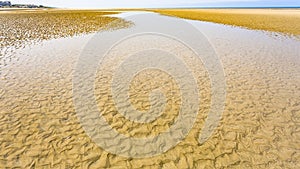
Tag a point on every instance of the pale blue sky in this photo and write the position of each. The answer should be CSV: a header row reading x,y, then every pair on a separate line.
x,y
159,3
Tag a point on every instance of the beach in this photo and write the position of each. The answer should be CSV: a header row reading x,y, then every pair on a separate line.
x,y
276,20
40,127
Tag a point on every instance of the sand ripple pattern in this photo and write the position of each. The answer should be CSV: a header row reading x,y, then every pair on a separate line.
x,y
18,27
39,127
143,57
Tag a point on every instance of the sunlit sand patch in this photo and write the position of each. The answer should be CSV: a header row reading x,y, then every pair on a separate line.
x,y
277,20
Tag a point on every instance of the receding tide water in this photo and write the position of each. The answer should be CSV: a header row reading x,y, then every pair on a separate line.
x,y
259,128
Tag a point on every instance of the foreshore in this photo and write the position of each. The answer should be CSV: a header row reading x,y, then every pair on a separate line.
x,y
40,121
282,20
20,24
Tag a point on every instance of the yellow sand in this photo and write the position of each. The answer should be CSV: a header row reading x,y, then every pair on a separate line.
x,y
18,26
39,127
278,20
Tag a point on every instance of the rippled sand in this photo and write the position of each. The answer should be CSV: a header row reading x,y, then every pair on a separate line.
x,y
259,129
32,26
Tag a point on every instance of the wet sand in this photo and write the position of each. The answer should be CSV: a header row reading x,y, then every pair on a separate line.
x,y
277,20
20,26
259,129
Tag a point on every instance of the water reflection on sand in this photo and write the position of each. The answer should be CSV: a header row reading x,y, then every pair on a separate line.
x,y
259,128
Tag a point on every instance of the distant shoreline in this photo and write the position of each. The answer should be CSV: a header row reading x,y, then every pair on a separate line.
x,y
23,9
231,8
14,8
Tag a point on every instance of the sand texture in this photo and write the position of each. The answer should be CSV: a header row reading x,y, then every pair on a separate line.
x,y
277,20
39,127
34,25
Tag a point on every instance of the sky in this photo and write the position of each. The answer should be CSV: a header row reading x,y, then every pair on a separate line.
x,y
159,3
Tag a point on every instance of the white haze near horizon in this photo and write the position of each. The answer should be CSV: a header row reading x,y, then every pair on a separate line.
x,y
159,3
